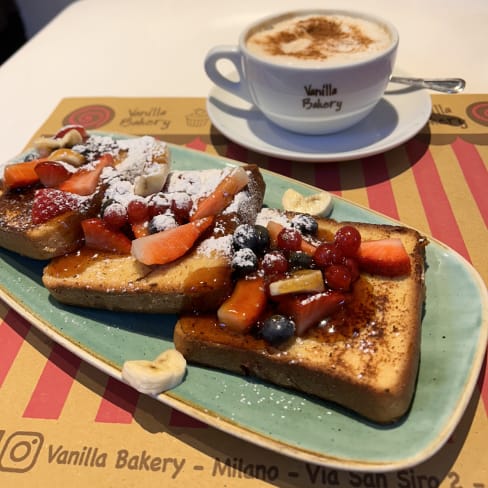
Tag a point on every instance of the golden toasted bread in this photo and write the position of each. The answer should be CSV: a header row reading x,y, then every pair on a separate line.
x,y
365,358
198,281
71,151
59,235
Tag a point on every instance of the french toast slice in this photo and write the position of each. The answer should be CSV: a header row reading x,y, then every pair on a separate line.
x,y
71,151
197,281
59,235
365,358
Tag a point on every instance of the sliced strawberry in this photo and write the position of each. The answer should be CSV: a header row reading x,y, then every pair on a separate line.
x,y
168,245
386,257
18,175
51,173
64,130
102,238
85,181
50,202
221,197
243,308
274,228
308,310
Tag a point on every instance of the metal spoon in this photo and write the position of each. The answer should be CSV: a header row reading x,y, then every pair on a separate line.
x,y
445,85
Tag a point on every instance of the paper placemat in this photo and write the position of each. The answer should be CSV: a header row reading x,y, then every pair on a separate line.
x,y
63,422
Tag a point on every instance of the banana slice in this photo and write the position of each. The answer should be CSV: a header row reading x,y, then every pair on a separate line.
x,y
47,144
153,377
68,156
302,281
147,184
319,204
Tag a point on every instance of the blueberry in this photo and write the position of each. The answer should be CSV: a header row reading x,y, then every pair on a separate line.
x,y
262,238
305,224
31,156
254,237
300,260
277,329
105,204
244,261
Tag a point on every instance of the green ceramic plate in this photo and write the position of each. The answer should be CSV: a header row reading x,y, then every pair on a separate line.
x,y
455,320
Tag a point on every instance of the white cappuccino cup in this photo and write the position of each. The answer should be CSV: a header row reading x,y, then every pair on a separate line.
x,y
310,71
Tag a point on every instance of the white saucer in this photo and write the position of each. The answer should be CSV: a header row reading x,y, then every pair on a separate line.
x,y
399,115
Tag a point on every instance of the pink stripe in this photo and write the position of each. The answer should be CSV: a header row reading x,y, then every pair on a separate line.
x,y
475,173
180,419
476,176
328,177
118,403
236,152
197,144
54,385
378,186
280,166
442,222
13,331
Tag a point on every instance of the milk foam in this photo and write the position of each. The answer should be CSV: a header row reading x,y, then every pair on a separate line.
x,y
319,39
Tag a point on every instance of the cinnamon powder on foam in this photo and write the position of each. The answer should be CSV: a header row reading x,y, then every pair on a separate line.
x,y
314,38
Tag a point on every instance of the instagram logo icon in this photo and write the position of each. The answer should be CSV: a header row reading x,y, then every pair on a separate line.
x,y
20,451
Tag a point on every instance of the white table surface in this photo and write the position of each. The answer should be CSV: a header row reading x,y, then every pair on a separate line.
x,y
156,48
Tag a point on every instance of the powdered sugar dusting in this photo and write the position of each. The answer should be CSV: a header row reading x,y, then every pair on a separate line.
x,y
270,214
164,222
174,201
141,154
140,158
221,245
96,145
196,183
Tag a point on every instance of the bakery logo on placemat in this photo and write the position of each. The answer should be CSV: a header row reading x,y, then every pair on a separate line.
x,y
198,118
478,112
147,119
90,116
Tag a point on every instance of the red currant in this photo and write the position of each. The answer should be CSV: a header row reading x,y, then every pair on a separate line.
x,y
158,207
338,277
348,239
274,262
289,239
353,267
181,209
137,211
115,215
326,254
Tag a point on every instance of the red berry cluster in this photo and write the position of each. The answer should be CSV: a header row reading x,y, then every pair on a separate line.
x,y
337,258
138,211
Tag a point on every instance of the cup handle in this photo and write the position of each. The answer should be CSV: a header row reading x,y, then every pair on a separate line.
x,y
232,54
